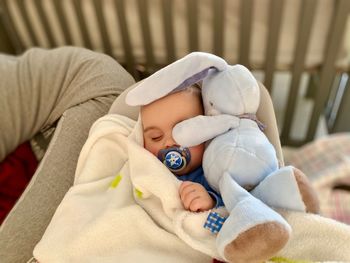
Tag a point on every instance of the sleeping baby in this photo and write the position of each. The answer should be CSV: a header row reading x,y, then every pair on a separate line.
x,y
158,120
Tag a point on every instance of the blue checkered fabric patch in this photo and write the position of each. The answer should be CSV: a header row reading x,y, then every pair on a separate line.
x,y
214,222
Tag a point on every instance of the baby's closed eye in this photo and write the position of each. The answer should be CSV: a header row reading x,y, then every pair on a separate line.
x,y
156,138
155,135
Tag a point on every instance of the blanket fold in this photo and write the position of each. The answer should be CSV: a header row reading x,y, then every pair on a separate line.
x,y
124,206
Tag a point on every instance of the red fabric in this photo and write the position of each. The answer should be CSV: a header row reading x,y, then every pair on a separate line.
x,y
15,173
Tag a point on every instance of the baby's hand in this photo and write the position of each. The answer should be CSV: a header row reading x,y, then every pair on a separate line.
x,y
195,197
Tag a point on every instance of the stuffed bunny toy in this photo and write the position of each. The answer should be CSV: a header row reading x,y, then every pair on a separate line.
x,y
239,162
240,159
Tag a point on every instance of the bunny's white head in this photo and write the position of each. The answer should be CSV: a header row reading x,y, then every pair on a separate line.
x,y
233,91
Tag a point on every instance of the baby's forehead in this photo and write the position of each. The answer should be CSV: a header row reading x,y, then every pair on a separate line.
x,y
188,99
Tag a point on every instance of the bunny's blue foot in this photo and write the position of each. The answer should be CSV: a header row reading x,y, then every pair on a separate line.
x,y
257,244
253,232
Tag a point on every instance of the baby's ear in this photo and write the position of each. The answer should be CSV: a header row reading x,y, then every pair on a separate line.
x,y
174,77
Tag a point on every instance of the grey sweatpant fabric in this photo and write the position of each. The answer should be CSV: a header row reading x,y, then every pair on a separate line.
x,y
72,85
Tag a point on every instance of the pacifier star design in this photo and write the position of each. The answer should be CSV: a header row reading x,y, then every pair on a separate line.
x,y
175,158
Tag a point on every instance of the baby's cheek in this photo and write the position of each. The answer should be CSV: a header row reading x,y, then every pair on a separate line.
x,y
151,148
197,154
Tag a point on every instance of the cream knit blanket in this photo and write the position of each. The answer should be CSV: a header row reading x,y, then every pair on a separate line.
x,y
124,207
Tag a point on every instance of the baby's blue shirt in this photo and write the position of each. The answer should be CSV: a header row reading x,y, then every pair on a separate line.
x,y
197,176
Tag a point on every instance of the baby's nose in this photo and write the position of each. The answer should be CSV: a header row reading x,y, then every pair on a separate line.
x,y
170,142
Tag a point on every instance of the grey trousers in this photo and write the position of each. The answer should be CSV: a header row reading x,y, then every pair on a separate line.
x,y
73,86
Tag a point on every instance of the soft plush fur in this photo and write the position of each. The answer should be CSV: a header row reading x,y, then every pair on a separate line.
x,y
240,157
254,245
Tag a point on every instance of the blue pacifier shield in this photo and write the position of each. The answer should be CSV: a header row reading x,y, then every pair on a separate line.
x,y
175,158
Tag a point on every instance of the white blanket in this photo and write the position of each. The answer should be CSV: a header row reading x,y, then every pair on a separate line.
x,y
124,206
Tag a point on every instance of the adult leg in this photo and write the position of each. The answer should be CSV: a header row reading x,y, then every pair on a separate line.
x,y
73,85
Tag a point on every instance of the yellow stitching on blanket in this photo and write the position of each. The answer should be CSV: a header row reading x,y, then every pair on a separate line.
x,y
138,193
116,181
286,260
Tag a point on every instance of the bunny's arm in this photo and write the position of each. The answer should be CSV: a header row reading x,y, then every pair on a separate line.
x,y
201,128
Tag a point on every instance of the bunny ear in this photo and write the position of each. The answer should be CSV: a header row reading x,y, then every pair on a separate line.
x,y
174,77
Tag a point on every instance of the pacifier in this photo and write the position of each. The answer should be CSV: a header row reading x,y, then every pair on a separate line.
x,y
175,158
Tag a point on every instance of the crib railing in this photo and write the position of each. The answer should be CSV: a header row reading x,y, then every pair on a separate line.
x,y
111,26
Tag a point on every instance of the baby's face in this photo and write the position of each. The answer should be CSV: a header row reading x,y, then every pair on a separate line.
x,y
159,119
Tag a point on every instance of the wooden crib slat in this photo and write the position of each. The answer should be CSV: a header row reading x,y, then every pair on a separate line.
x,y
246,10
218,9
8,23
102,27
63,22
335,35
28,24
146,34
192,21
342,119
274,25
44,21
129,56
77,5
306,18
5,43
167,10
